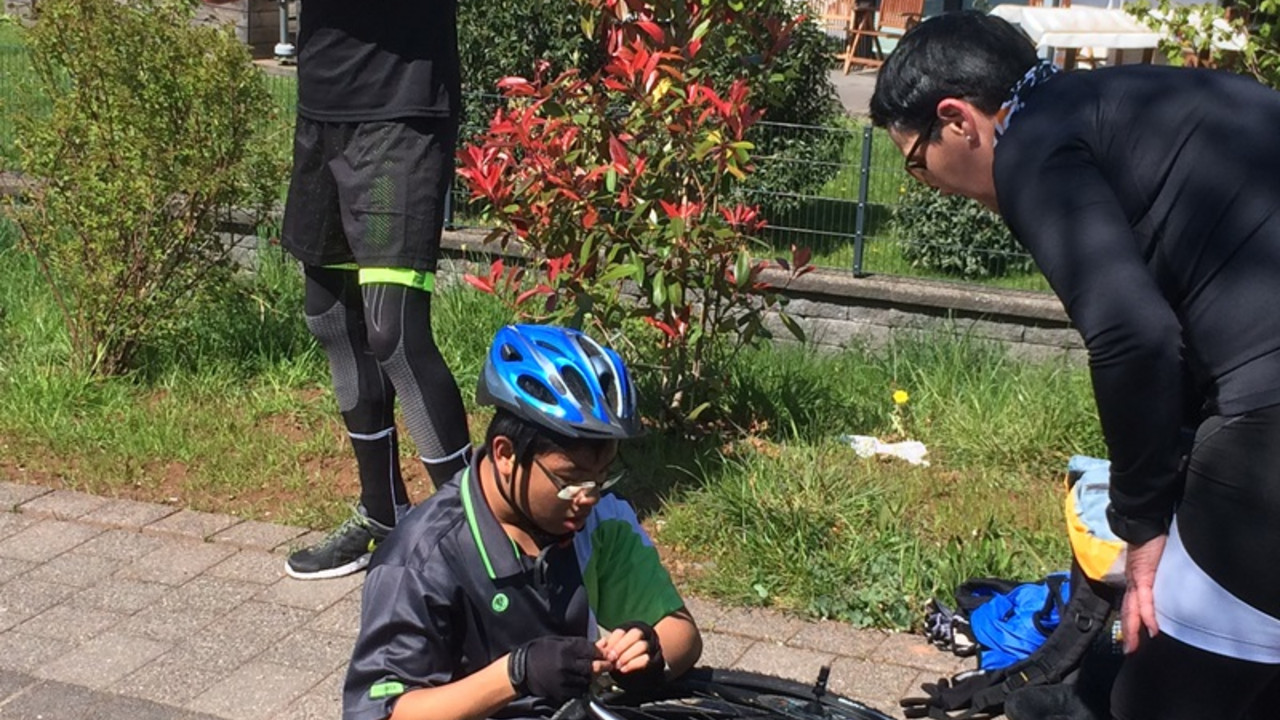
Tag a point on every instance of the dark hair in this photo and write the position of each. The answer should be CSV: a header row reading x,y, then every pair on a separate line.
x,y
531,439
968,55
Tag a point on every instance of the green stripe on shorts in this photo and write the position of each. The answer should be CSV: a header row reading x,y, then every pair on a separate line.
x,y
342,266
387,689
421,280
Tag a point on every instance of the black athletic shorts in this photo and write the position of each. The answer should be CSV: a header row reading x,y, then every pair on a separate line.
x,y
369,193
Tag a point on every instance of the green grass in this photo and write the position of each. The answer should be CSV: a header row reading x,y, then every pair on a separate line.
x,y
235,414
812,529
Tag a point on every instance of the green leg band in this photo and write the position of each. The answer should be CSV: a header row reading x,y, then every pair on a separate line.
x,y
418,279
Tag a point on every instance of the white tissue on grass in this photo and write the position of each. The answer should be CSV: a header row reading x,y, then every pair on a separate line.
x,y
913,451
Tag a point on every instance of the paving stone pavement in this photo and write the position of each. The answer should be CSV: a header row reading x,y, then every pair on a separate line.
x,y
120,610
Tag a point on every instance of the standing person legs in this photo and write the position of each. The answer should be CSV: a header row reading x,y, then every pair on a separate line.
x,y
399,332
392,179
372,194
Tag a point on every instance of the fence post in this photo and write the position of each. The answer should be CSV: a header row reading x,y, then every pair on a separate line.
x,y
448,208
860,223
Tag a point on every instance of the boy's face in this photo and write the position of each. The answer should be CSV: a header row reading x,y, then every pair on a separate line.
x,y
562,486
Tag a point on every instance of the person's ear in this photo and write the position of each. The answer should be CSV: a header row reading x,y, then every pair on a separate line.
x,y
959,117
503,452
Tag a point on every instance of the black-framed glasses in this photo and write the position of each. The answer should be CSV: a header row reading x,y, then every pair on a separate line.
x,y
566,490
914,161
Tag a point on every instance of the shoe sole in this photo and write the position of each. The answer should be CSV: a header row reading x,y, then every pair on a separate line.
x,y
350,568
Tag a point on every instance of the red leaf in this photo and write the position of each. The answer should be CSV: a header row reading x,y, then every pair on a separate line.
x,y
800,256
532,292
556,265
479,283
651,29
618,152
665,328
516,87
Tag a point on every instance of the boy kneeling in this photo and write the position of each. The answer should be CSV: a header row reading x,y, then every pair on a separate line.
x,y
485,600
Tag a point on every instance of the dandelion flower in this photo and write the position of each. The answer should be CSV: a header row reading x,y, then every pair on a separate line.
x,y
900,397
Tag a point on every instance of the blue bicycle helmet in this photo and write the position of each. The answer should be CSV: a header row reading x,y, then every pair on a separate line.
x,y
562,380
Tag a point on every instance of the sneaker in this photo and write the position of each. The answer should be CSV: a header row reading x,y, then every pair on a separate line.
x,y
346,550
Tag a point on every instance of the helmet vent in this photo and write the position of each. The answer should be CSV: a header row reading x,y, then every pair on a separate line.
x,y
577,385
510,354
539,391
559,352
610,388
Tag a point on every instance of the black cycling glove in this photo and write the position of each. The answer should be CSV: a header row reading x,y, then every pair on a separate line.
x,y
651,675
555,667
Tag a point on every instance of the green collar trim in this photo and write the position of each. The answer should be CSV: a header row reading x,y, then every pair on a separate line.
x,y
469,508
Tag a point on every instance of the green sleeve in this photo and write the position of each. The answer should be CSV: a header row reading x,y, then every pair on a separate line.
x,y
624,578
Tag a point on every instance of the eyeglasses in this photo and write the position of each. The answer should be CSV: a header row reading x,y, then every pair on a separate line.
x,y
569,490
916,166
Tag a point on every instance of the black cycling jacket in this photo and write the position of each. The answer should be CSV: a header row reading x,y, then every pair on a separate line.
x,y
1150,198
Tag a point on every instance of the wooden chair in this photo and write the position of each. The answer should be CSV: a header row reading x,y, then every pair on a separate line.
x,y
835,17
894,19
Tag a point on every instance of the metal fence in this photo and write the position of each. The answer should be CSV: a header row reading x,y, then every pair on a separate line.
x,y
833,190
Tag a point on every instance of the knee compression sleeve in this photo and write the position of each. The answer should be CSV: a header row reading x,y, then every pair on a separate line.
x,y
398,318
335,316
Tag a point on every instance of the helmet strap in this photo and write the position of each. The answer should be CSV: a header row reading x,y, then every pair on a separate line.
x,y
507,489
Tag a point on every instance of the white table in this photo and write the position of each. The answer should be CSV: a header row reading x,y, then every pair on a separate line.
x,y
1073,28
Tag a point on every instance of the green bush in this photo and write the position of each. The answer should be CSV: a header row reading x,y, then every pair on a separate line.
x,y
1197,35
793,157
630,176
155,129
955,236
506,37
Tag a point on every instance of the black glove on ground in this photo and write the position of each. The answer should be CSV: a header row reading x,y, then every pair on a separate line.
x,y
556,667
652,674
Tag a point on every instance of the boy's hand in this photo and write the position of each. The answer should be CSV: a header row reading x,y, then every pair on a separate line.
x,y
635,653
555,667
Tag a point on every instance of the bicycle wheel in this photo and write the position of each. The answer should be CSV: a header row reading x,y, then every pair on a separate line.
x,y
714,694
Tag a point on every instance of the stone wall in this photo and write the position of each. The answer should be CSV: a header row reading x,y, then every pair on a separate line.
x,y
838,310
18,8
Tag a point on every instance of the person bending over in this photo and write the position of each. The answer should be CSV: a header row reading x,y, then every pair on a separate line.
x,y
1150,198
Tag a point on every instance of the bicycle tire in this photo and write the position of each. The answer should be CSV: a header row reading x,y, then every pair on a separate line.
x,y
715,694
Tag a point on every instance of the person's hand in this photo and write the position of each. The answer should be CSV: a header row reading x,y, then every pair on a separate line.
x,y
635,654
555,667
1139,609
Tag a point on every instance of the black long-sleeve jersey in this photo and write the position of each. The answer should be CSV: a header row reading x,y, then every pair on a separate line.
x,y
1150,199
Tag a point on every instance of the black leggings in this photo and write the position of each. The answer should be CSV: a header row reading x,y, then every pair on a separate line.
x,y
1229,521
379,343
1170,680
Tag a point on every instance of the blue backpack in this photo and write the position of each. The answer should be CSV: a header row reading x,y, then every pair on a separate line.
x,y
1010,623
